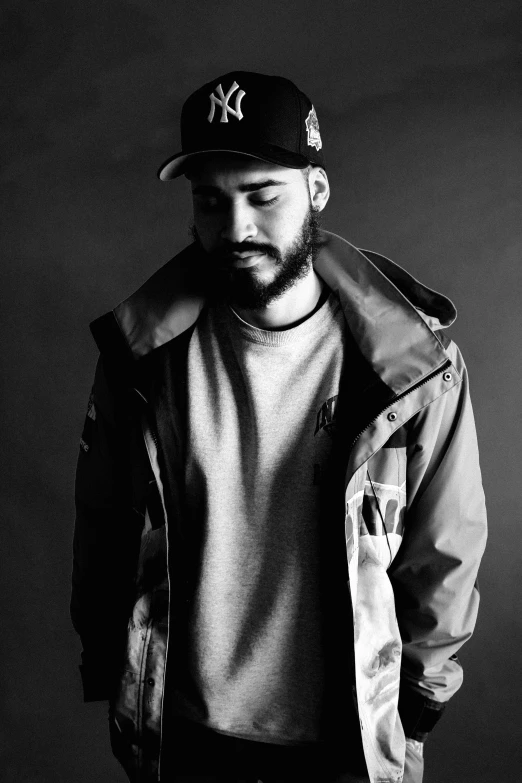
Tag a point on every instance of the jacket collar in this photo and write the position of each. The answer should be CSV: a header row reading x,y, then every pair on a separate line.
x,y
391,316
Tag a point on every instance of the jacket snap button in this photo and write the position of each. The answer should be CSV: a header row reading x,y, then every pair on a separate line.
x,y
392,416
150,682
447,376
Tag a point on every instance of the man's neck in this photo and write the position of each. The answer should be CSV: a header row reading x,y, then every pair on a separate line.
x,y
295,306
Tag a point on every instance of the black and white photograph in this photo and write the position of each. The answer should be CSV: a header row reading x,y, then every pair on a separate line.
x,y
261,274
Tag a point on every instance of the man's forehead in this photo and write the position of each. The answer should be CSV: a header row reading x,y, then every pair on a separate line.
x,y
236,169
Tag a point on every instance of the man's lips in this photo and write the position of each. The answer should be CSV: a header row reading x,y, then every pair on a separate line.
x,y
243,259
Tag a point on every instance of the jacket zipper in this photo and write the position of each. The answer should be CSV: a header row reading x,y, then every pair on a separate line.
x,y
399,397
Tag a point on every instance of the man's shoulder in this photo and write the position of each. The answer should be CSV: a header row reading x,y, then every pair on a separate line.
x,y
162,308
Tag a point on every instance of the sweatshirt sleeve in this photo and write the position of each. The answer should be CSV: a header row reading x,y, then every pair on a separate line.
x,y
434,575
106,541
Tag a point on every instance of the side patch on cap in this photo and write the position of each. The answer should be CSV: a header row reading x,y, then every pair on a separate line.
x,y
312,128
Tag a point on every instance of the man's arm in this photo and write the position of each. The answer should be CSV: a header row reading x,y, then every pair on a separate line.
x,y
434,575
106,541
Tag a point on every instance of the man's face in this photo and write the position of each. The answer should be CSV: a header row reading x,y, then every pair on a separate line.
x,y
255,223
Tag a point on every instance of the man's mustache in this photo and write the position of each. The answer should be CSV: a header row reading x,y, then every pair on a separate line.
x,y
224,254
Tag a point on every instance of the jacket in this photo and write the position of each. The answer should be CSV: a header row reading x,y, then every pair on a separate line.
x,y
410,484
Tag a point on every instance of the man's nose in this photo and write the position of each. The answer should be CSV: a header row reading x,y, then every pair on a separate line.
x,y
239,225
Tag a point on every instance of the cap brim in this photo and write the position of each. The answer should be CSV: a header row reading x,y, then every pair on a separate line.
x,y
176,166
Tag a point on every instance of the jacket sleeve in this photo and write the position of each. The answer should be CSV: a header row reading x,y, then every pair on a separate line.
x,y
434,575
106,541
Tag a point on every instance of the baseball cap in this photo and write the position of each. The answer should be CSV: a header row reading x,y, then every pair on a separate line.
x,y
265,117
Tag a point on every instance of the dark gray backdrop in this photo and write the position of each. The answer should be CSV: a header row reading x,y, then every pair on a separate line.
x,y
420,111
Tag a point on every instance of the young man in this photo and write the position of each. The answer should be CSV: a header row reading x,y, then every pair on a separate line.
x,y
280,510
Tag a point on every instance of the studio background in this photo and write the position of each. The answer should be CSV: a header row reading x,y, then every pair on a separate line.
x,y
420,111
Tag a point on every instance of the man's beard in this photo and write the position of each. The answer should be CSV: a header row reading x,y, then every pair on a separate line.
x,y
243,287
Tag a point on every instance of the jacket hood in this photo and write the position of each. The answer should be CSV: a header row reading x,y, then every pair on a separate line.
x,y
392,316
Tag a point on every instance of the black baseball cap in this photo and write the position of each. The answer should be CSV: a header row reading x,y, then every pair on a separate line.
x,y
265,117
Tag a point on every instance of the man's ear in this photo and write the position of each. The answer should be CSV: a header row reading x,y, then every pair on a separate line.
x,y
319,188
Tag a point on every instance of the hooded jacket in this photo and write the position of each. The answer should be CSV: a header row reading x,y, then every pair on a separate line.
x,y
409,478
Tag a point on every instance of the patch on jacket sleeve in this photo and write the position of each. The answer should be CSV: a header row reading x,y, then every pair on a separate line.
x,y
91,410
87,430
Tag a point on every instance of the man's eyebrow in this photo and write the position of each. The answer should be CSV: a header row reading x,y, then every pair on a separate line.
x,y
247,187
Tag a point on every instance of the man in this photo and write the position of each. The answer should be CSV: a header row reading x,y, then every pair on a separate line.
x,y
280,510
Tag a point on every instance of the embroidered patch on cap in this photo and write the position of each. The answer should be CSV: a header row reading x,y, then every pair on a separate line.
x,y
222,100
312,127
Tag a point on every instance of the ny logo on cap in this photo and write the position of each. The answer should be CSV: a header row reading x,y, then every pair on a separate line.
x,y
222,100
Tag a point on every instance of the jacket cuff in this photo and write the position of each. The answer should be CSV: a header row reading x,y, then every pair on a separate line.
x,y
418,713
